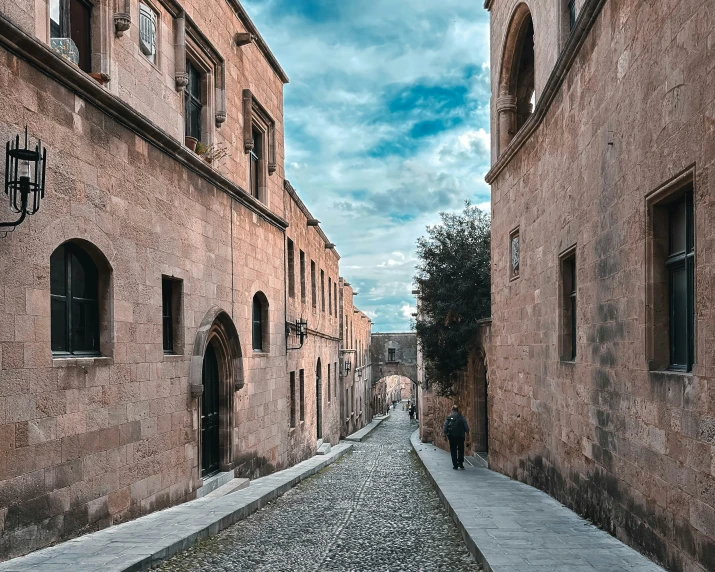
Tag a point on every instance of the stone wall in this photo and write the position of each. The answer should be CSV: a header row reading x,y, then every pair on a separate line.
x,y
356,393
322,343
86,442
611,434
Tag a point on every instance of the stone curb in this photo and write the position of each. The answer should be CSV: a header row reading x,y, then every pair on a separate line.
x,y
143,543
468,540
364,433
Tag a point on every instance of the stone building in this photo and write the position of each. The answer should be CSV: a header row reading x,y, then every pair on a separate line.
x,y
312,295
394,372
143,309
601,386
355,366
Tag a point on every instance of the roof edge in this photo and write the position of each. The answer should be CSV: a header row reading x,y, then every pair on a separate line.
x,y
245,19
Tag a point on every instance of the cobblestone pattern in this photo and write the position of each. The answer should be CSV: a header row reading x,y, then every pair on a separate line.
x,y
373,510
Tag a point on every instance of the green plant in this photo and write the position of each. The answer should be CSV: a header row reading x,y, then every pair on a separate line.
x,y
211,153
453,277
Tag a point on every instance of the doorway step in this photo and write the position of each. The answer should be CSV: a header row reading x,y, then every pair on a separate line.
x,y
323,447
220,485
478,460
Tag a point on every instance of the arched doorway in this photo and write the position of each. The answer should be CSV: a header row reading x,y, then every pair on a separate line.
x,y
216,374
319,400
210,444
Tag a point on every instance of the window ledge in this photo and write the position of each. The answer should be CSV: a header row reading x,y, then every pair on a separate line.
x,y
514,278
568,361
671,372
260,353
73,361
174,357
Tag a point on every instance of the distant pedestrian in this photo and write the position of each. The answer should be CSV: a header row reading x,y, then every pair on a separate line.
x,y
412,413
455,428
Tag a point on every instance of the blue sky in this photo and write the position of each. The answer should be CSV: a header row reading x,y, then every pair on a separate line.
x,y
386,125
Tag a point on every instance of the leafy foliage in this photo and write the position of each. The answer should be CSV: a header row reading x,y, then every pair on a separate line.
x,y
453,277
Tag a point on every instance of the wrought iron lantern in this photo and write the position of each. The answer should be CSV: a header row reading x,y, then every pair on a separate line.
x,y
359,373
301,331
24,178
348,366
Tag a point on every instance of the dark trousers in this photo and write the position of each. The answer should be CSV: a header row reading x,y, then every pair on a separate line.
x,y
456,447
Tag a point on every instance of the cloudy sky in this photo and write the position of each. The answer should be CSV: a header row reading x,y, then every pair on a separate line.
x,y
387,124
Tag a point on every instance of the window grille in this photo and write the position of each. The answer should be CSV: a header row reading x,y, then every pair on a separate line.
x,y
147,32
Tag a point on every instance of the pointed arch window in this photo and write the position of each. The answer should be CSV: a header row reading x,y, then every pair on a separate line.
x,y
257,324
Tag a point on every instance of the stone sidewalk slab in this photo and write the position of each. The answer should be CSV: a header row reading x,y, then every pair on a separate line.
x,y
511,527
365,431
142,543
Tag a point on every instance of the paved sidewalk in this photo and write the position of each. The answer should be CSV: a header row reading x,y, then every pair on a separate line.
x,y
365,431
141,543
512,527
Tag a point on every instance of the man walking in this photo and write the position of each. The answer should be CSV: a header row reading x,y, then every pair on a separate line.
x,y
455,428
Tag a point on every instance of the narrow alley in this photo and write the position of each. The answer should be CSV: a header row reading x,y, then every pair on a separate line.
x,y
373,510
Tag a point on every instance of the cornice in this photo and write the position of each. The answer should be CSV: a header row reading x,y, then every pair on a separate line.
x,y
301,205
40,56
587,18
245,19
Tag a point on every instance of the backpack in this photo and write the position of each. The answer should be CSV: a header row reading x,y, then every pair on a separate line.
x,y
451,423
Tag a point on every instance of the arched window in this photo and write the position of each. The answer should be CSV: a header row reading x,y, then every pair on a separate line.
x,y
515,101
74,292
260,323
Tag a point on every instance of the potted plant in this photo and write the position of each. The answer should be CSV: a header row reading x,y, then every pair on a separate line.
x,y
211,153
191,142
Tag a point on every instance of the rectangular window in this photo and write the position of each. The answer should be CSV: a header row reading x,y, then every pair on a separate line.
x,y
572,14
335,380
313,287
335,297
256,163
167,314
147,32
71,31
681,282
291,269
391,354
514,254
568,307
322,290
193,102
301,381
302,276
330,296
292,399
670,275
328,383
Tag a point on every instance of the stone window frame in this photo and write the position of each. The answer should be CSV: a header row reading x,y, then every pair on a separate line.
x,y
257,119
100,41
515,233
191,44
105,302
301,390
290,255
568,269
264,324
513,109
153,6
177,313
293,408
657,302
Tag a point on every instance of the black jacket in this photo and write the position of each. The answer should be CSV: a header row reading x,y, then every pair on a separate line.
x,y
459,426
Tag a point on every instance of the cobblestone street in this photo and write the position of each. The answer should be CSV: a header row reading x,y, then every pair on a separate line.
x,y
373,510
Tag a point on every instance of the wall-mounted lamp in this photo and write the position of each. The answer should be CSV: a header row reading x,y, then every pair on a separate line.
x,y
348,366
359,373
301,331
24,176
